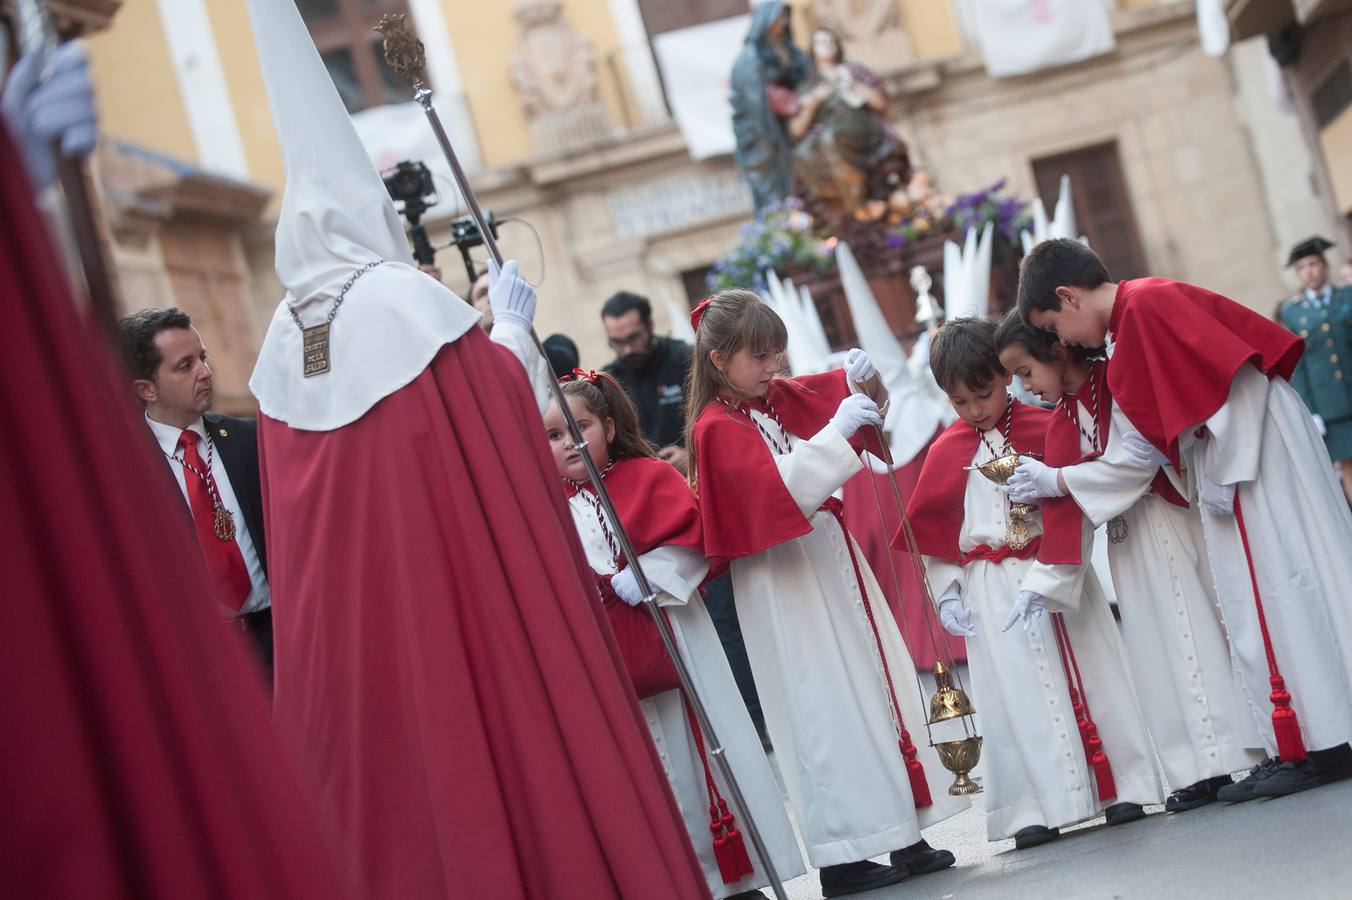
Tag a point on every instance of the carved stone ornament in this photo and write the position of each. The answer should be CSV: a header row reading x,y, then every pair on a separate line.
x,y
555,71
870,29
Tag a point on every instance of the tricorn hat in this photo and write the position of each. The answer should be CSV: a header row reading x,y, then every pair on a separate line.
x,y
1314,246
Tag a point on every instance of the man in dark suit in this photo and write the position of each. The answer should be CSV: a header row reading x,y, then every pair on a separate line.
x,y
212,458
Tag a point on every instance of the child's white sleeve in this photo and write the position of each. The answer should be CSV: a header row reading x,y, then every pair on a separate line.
x,y
943,575
815,467
1061,584
1108,486
538,371
674,572
1236,429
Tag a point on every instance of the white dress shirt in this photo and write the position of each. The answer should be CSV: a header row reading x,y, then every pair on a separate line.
x,y
1322,296
167,436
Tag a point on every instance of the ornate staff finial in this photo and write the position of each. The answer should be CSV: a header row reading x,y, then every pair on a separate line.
x,y
403,51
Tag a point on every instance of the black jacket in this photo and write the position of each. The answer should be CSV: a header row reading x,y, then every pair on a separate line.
x,y
658,391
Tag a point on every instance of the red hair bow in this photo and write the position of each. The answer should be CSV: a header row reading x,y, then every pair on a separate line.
x,y
697,314
593,376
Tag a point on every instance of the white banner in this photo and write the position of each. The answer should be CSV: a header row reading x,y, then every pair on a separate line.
x,y
696,64
1021,36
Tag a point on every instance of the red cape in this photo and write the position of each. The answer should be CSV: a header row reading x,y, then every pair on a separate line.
x,y
1061,516
744,505
654,503
1177,347
137,751
443,659
936,507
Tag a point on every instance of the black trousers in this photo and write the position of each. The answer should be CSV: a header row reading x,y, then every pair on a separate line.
x,y
722,608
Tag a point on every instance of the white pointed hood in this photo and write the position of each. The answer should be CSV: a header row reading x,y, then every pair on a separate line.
x,y
913,413
967,275
336,217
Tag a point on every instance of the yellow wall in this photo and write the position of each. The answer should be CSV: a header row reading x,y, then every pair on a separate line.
x,y
484,37
934,33
244,76
138,95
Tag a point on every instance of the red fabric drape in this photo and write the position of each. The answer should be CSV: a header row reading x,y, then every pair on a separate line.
x,y
137,755
442,657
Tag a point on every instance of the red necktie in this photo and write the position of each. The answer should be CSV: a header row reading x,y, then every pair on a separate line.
x,y
225,564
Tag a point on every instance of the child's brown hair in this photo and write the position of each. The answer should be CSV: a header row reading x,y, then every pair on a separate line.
x,y
963,352
732,320
605,399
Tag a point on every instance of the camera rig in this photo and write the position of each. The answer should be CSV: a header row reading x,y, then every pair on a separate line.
x,y
410,184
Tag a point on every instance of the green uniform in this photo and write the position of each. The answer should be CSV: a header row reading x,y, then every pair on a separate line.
x,y
1323,378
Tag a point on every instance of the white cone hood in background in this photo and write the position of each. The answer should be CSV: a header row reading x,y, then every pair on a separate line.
x,y
336,217
967,275
680,329
914,414
808,350
1062,224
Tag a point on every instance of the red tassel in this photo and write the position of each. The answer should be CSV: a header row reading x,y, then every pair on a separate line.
x,y
727,867
920,791
1103,770
1285,727
741,861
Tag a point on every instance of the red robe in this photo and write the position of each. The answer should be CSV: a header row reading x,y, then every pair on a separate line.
x,y
1062,520
936,507
1177,347
137,754
744,505
442,658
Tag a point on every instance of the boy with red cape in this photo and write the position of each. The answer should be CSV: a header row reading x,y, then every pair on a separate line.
x,y
1206,382
441,657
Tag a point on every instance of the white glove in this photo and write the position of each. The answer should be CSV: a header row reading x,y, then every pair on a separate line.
x,y
1033,480
1319,425
625,586
510,296
854,412
956,618
1217,499
1027,606
59,109
1141,453
858,367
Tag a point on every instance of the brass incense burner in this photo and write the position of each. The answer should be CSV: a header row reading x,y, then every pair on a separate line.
x,y
958,756
1018,533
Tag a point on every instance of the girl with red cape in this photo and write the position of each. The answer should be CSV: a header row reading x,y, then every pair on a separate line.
x,y
836,682
659,513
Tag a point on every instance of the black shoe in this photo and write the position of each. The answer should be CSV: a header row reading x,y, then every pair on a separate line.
x,y
1243,790
851,878
921,859
1320,768
1122,813
747,895
1034,836
1195,795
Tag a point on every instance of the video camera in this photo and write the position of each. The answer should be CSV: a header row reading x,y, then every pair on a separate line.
x,y
410,183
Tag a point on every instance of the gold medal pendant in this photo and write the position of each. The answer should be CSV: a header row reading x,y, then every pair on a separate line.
x,y
225,525
1017,534
314,350
1117,529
